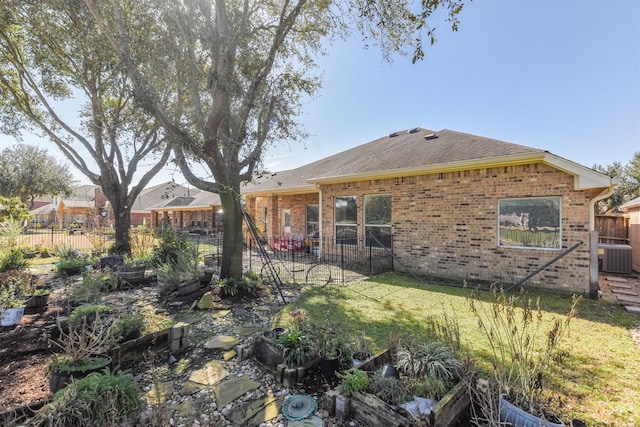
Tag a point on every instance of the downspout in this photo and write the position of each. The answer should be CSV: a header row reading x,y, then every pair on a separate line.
x,y
593,238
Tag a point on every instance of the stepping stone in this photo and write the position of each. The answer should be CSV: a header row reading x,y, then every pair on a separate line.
x,y
232,389
219,314
624,292
252,414
247,330
159,394
185,409
619,286
221,342
632,309
206,302
210,375
617,279
628,298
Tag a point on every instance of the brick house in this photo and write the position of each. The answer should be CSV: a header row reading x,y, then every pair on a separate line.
x,y
448,204
154,195
201,212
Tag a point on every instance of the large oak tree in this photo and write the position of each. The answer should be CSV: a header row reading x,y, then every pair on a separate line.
x,y
237,72
51,52
28,171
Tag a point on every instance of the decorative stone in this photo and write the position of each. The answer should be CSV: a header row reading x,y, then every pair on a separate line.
x,y
312,421
221,342
253,414
229,355
218,314
210,375
159,394
206,302
228,391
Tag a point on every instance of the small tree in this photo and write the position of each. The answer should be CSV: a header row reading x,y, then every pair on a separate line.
x,y
27,172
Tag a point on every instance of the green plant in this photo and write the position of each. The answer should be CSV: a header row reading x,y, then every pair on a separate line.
x,y
171,244
430,387
521,349
89,312
65,251
100,399
69,266
295,347
13,260
15,288
94,283
184,268
142,242
327,337
125,326
229,287
353,382
430,359
389,389
12,232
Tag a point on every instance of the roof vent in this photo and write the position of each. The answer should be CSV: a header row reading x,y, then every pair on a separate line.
x,y
430,136
393,134
414,130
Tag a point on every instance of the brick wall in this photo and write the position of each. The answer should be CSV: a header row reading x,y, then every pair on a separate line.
x,y
275,205
447,224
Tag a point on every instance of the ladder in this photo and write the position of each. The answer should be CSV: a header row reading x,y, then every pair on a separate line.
x,y
272,273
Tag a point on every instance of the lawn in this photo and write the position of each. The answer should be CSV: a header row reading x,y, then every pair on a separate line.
x,y
596,372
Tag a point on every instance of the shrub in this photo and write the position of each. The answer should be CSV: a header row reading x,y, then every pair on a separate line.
x,y
15,288
296,348
353,382
388,389
521,350
431,359
101,399
171,244
13,260
126,326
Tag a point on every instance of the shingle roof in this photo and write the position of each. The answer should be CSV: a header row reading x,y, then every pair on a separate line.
x,y
412,152
159,194
407,149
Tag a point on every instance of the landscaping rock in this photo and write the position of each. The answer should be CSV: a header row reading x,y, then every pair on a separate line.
x,y
221,342
226,392
210,375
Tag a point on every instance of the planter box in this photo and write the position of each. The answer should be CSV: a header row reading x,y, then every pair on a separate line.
x,y
174,338
11,316
373,412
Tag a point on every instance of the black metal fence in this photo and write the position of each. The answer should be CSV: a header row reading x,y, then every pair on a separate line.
x,y
317,261
314,261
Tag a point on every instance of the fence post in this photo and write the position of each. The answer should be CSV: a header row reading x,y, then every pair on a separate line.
x,y
370,255
250,253
342,260
52,235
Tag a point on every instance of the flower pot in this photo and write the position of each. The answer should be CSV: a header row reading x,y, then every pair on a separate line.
x,y
359,358
131,273
11,316
36,303
330,365
188,287
389,371
205,279
517,417
59,379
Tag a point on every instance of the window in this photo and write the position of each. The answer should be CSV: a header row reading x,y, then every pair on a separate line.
x,y
313,220
377,220
346,220
530,222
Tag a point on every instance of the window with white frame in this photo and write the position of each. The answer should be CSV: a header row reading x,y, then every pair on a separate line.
x,y
346,220
377,220
313,220
532,222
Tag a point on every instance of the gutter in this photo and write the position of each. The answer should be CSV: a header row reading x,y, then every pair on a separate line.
x,y
603,195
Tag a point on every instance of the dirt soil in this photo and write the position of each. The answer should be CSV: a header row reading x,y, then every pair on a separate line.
x,y
24,356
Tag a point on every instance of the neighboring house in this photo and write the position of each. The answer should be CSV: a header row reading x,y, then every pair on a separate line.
x,y
448,204
86,206
632,209
151,196
200,213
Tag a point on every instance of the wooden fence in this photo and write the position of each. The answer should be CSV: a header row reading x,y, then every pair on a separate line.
x,y
612,229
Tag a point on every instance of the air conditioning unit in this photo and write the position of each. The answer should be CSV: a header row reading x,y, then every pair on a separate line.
x,y
616,258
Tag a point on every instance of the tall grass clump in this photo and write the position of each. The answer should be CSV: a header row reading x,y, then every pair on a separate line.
x,y
522,344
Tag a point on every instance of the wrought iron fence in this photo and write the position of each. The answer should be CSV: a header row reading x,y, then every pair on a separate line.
x,y
318,261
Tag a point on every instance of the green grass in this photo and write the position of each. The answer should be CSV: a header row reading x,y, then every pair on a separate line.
x,y
595,377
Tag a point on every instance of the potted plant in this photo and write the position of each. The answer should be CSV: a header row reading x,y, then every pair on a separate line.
x,y
15,286
360,351
82,349
327,339
207,275
353,382
181,274
131,270
38,299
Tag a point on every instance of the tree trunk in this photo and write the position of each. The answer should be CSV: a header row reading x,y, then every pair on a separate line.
x,y
121,225
232,244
